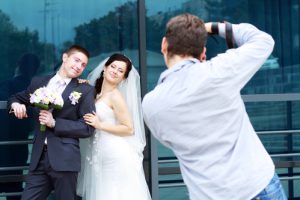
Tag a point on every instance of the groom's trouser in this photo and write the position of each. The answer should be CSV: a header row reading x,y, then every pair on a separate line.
x,y
44,179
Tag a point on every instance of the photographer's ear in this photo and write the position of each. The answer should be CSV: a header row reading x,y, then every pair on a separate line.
x,y
164,46
203,55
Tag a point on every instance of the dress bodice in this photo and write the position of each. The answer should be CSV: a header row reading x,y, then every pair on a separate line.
x,y
105,113
112,169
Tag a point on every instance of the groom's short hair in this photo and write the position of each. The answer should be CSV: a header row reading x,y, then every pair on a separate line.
x,y
77,48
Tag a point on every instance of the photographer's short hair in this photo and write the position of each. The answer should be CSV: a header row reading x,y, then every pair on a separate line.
x,y
186,35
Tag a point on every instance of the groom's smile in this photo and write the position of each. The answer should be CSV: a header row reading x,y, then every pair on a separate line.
x,y
73,64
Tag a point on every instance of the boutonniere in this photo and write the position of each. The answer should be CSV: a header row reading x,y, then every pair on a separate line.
x,y
74,97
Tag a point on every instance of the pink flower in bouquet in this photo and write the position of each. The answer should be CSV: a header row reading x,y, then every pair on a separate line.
x,y
46,99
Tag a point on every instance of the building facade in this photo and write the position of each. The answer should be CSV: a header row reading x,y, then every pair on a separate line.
x,y
33,34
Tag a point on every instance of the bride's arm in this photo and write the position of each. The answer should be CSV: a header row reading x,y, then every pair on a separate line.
x,y
124,128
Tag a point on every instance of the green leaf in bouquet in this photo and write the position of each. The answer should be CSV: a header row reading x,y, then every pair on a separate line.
x,y
42,106
56,106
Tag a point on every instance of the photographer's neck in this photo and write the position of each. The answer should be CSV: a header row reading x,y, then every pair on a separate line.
x,y
171,61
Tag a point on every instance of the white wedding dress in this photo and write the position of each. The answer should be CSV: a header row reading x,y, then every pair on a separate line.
x,y
111,167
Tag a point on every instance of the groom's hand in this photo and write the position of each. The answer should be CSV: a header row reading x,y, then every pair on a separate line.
x,y
46,118
19,110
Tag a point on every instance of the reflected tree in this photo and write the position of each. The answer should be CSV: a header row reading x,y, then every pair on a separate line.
x,y
113,32
15,42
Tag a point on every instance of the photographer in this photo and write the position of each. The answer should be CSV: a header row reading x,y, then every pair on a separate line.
x,y
197,111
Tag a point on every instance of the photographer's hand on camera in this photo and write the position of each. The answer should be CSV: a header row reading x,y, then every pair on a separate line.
x,y
214,28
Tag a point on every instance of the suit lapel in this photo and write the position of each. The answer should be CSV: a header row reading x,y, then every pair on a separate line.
x,y
70,87
65,95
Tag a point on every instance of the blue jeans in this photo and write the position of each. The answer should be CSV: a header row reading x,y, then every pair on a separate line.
x,y
273,191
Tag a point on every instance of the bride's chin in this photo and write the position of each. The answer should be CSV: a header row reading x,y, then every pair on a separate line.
x,y
113,82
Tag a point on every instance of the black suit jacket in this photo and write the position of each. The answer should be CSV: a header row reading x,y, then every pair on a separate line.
x,y
63,139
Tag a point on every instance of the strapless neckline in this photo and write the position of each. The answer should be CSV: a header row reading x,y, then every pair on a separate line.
x,y
102,102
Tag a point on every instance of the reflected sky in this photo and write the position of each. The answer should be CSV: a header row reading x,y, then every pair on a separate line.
x,y
58,18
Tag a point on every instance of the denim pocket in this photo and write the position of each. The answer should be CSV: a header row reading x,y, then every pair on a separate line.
x,y
273,191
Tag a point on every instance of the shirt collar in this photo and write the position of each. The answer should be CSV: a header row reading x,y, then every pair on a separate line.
x,y
57,77
178,66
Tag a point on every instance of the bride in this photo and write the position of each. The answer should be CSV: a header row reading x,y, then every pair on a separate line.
x,y
112,158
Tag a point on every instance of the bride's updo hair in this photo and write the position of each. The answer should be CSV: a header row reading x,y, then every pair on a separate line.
x,y
111,59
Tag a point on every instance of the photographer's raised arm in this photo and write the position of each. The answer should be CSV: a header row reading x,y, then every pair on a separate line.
x,y
240,64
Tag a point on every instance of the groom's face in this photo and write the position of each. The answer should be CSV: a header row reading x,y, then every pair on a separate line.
x,y
73,64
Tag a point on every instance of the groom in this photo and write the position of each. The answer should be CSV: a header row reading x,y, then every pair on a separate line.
x,y
55,159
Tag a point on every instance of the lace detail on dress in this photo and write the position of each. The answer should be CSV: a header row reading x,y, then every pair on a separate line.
x,y
112,168
105,113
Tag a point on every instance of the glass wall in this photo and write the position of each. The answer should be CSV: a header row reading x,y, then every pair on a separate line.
x,y
278,18
48,27
279,75
34,34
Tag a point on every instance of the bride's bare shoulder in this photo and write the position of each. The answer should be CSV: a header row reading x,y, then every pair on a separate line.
x,y
116,97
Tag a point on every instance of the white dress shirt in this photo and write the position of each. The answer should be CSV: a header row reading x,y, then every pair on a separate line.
x,y
53,85
197,110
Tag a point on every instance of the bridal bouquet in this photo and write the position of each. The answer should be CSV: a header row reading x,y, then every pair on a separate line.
x,y
46,99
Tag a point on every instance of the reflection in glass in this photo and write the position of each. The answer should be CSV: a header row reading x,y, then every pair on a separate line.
x,y
50,26
45,28
278,74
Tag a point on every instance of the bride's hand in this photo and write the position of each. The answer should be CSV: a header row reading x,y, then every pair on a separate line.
x,y
83,80
92,120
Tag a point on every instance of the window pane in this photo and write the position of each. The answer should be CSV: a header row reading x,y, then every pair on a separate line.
x,y
49,27
45,28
